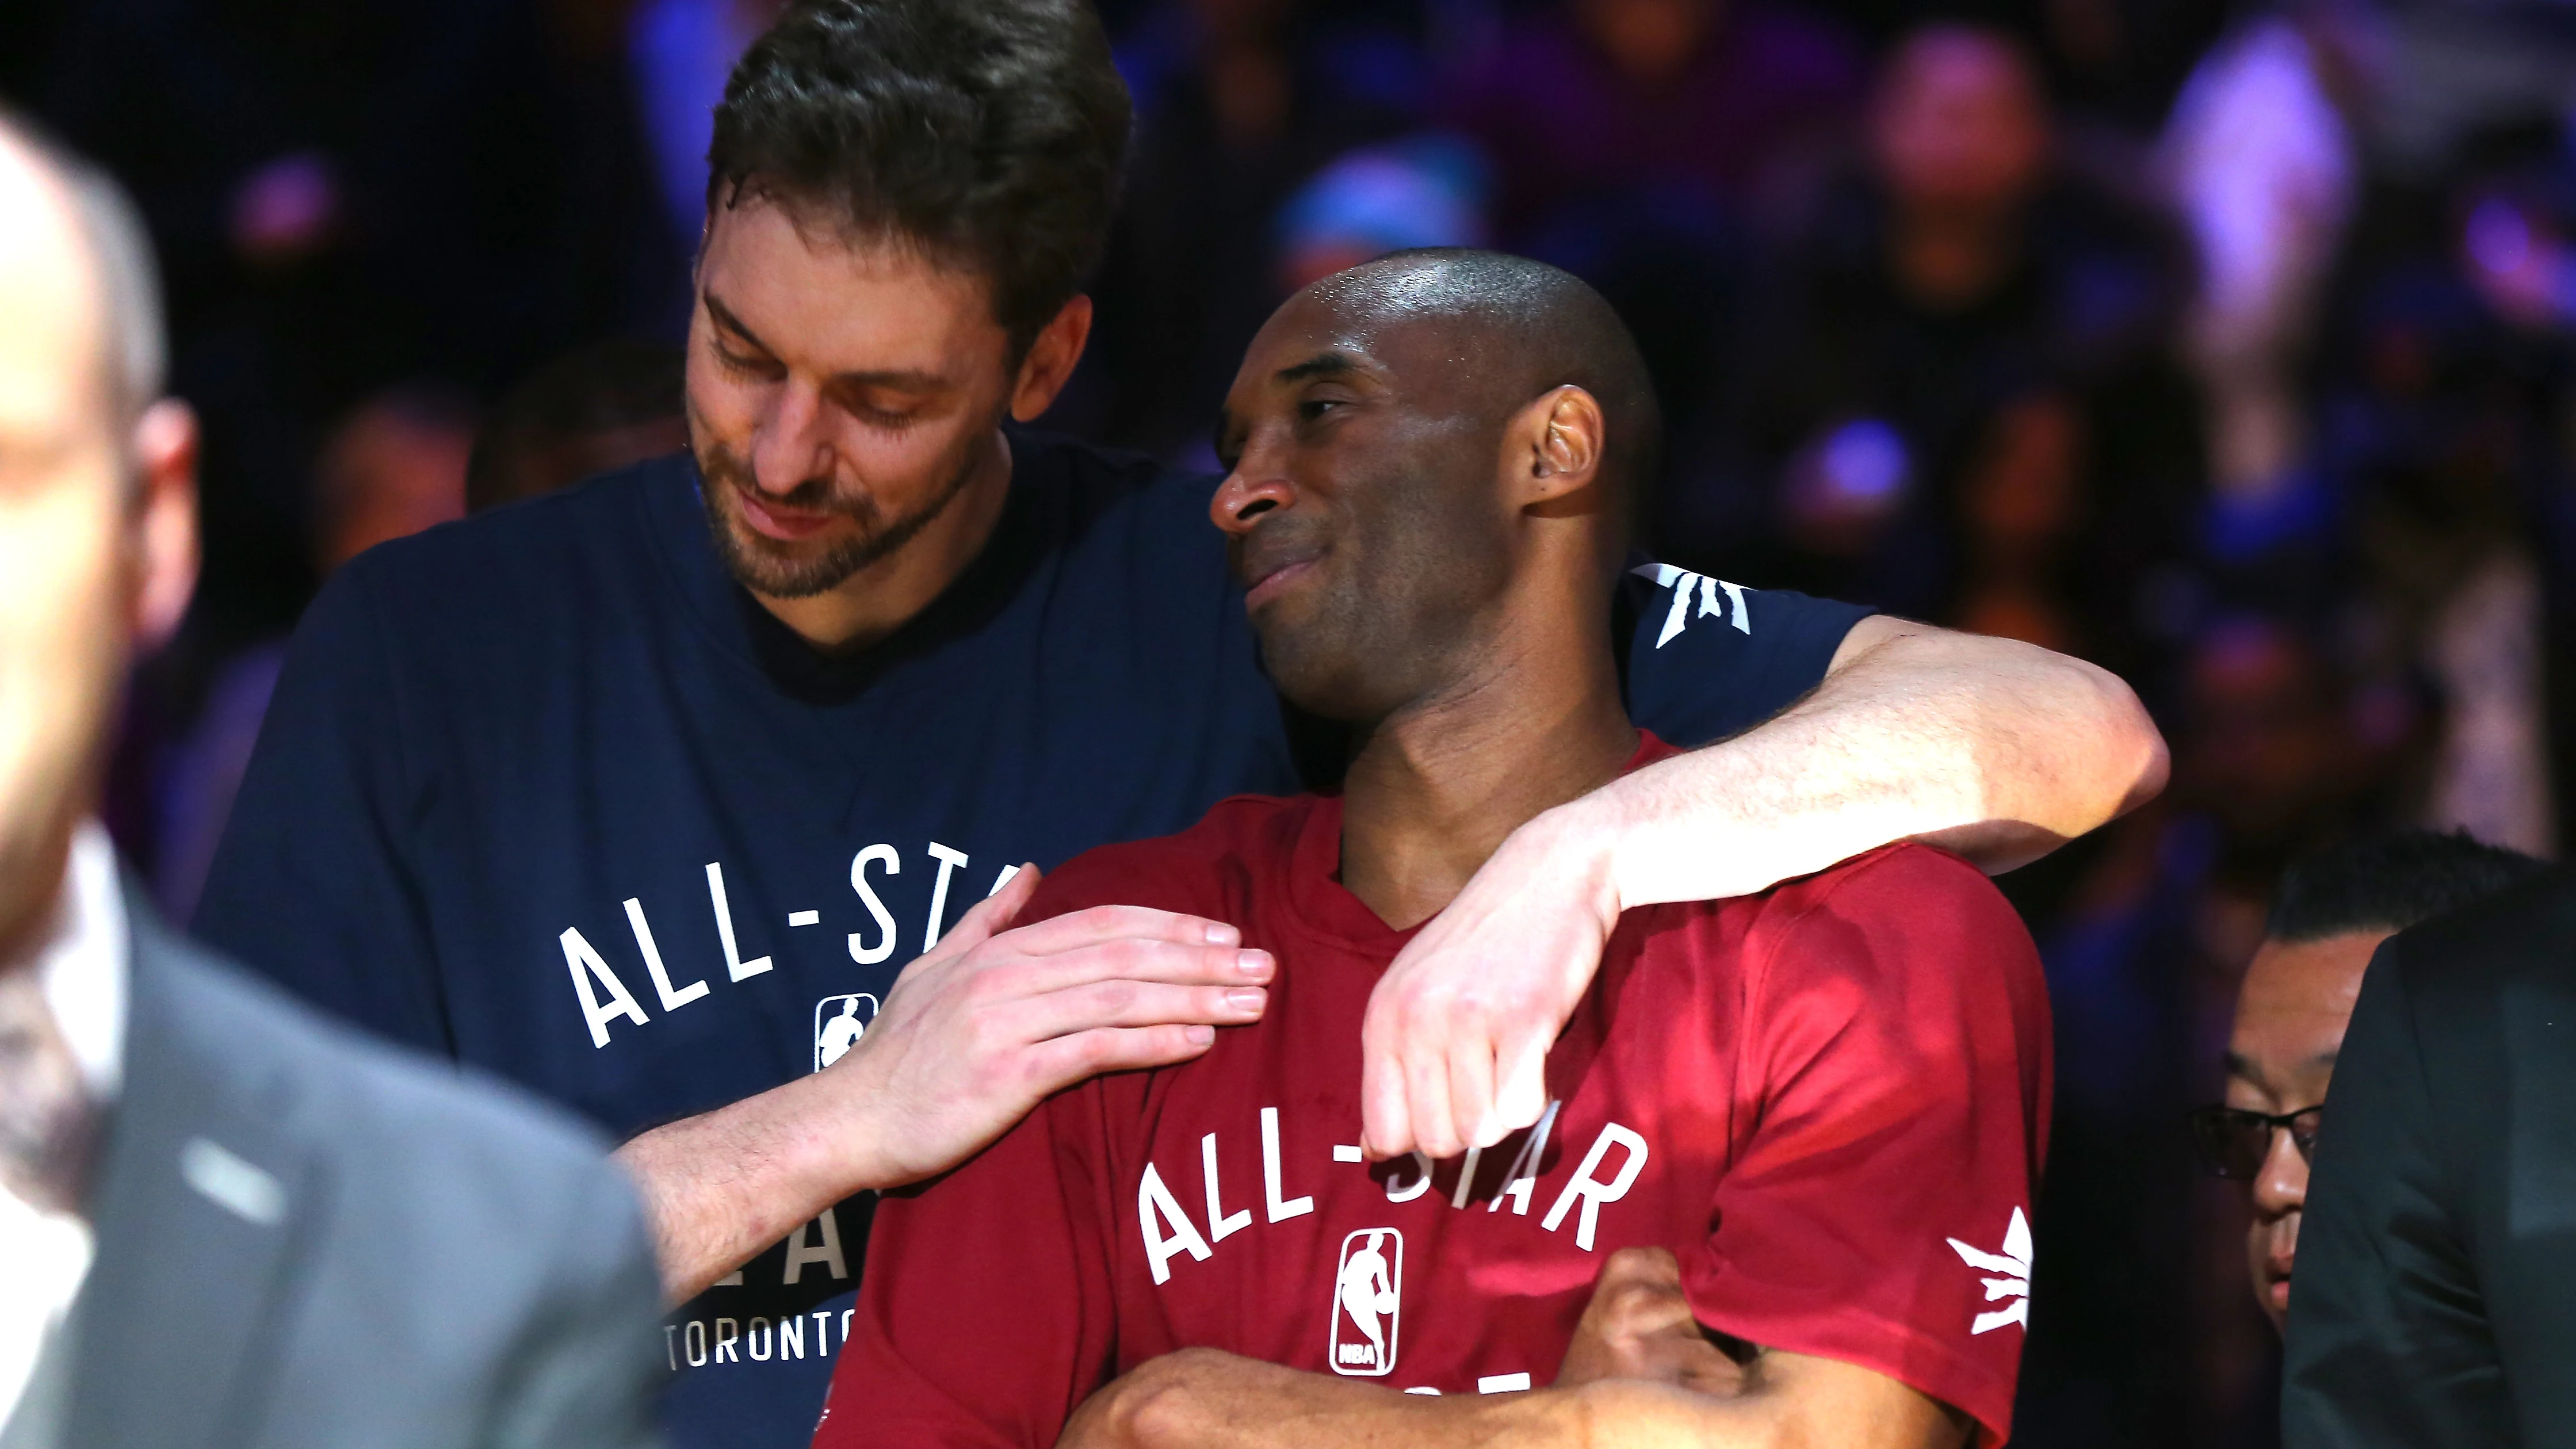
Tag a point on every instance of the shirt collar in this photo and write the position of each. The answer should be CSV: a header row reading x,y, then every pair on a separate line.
x,y
86,964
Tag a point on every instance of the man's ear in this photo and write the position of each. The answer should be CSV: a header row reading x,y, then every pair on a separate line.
x,y
1057,347
1555,446
165,520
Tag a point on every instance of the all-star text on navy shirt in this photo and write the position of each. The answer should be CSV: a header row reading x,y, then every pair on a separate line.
x,y
548,792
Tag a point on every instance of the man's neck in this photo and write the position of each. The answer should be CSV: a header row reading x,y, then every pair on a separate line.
x,y
1439,785
869,606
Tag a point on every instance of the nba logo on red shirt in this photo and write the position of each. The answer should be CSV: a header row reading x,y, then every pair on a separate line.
x,y
1368,1302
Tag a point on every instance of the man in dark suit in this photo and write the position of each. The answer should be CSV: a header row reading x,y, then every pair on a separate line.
x,y
224,1222
2436,1300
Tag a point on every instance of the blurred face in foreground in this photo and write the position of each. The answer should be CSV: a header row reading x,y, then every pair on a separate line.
x,y
2290,1019
97,540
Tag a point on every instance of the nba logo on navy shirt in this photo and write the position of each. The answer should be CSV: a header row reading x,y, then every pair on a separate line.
x,y
839,1022
1368,1301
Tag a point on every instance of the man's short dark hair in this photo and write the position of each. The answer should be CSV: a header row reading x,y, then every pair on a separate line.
x,y
2390,882
988,133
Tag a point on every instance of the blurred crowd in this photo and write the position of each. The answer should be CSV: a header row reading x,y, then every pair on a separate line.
x,y
2231,346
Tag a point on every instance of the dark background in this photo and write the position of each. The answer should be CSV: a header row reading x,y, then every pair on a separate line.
x,y
2225,345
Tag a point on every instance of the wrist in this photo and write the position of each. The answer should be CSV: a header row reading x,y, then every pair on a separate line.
x,y
827,1132
1577,844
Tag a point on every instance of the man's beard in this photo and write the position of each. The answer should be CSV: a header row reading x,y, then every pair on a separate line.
x,y
749,557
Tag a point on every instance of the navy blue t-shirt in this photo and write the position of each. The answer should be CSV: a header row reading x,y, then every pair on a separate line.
x,y
546,791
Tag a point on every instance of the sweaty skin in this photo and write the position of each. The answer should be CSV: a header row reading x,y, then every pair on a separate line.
x,y
2290,1019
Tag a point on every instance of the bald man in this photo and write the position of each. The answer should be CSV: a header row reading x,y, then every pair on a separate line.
x,y
223,1222
1780,1181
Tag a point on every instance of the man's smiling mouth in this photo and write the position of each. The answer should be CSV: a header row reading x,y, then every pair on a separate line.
x,y
1269,585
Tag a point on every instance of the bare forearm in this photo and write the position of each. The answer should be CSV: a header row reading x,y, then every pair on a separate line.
x,y
1998,750
1200,1399
1328,1413
720,1187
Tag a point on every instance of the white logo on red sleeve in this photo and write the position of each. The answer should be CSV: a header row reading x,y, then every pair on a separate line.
x,y
2013,1264
1368,1303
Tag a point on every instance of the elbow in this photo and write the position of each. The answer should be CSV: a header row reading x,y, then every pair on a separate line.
x,y
2138,762
1154,1404
2094,744
2071,750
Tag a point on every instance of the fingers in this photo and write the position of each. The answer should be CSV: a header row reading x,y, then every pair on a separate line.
x,y
1145,959
1470,1061
1125,1003
994,913
1520,1093
1426,1099
1385,1129
1065,1060
1391,1117
1141,923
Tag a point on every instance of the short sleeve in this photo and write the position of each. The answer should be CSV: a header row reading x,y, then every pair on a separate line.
x,y
312,885
986,1314
1704,659
1897,1065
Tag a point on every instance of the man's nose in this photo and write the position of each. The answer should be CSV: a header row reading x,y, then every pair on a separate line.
x,y
793,442
1251,490
2281,1185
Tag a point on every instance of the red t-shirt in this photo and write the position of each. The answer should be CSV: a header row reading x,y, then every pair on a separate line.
x,y
1830,1101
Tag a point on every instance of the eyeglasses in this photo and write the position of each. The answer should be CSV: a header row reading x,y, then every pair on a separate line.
x,y
2233,1143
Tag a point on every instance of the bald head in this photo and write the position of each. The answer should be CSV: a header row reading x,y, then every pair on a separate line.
x,y
1517,328
73,224
1430,457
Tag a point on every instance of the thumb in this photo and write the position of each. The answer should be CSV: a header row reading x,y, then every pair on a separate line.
x,y
1643,1267
993,914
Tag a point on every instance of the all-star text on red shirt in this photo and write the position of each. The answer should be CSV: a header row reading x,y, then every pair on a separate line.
x,y
1830,1101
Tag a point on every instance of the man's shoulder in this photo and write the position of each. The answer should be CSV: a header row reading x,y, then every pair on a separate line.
x,y
2521,938
482,581
490,1262
1906,906
1239,836
570,526
1703,658
1905,872
401,1126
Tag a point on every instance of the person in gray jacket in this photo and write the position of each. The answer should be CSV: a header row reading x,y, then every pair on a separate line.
x,y
223,1221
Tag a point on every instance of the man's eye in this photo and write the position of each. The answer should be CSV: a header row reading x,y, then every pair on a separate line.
x,y
738,362
1315,407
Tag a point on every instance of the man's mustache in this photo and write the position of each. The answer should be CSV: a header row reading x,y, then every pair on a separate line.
x,y
814,495
1275,543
